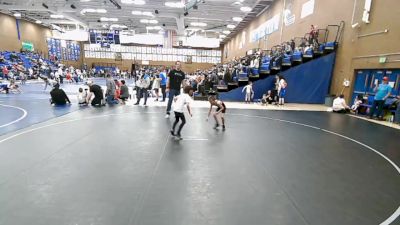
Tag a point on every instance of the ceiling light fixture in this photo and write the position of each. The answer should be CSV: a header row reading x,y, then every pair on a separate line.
x,y
88,11
245,9
93,11
55,16
148,21
153,28
230,26
117,26
198,24
174,4
101,11
18,15
222,36
140,13
136,2
147,14
226,32
237,19
105,19
38,21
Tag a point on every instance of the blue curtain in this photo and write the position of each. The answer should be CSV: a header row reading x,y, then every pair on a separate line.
x,y
307,83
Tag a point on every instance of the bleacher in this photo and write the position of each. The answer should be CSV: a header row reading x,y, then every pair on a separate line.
x,y
26,59
277,59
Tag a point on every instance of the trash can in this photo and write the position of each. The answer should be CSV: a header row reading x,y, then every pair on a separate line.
x,y
329,100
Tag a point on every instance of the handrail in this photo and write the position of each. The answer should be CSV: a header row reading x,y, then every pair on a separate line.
x,y
377,55
374,33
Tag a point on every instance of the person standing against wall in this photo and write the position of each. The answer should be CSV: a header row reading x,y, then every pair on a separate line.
x,y
174,82
382,93
397,113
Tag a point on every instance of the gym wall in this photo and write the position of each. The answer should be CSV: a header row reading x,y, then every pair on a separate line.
x,y
29,32
383,15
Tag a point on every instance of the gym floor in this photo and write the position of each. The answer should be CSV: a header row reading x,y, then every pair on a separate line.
x,y
119,165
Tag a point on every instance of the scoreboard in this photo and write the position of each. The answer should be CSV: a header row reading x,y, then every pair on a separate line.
x,y
104,38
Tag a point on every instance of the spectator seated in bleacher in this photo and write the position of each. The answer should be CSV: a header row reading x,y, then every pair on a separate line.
x,y
268,98
339,105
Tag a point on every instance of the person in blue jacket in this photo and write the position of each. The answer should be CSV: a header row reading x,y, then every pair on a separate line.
x,y
163,84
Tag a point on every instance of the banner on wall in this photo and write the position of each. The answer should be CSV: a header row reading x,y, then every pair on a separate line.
x,y
27,46
63,50
307,9
288,15
266,28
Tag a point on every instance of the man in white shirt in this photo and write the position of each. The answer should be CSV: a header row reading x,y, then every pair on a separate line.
x,y
339,105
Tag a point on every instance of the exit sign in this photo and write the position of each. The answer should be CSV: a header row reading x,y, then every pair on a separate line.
x,y
382,59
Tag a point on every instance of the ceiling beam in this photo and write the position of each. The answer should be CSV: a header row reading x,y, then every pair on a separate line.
x,y
180,23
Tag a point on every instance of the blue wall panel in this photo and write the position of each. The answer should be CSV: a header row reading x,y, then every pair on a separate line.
x,y
307,83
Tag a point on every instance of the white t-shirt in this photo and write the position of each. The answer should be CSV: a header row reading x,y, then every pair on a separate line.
x,y
82,97
338,104
282,83
249,89
181,101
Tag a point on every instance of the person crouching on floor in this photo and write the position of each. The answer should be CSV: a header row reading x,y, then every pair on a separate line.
x,y
58,96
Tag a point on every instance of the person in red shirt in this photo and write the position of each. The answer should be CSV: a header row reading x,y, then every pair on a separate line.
x,y
313,36
5,72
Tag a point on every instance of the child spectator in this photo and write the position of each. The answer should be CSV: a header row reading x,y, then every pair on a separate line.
x,y
249,92
82,97
124,92
268,98
357,103
180,102
282,90
156,86
219,113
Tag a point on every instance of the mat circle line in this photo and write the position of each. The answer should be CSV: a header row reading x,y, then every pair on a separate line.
x,y
388,221
25,113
